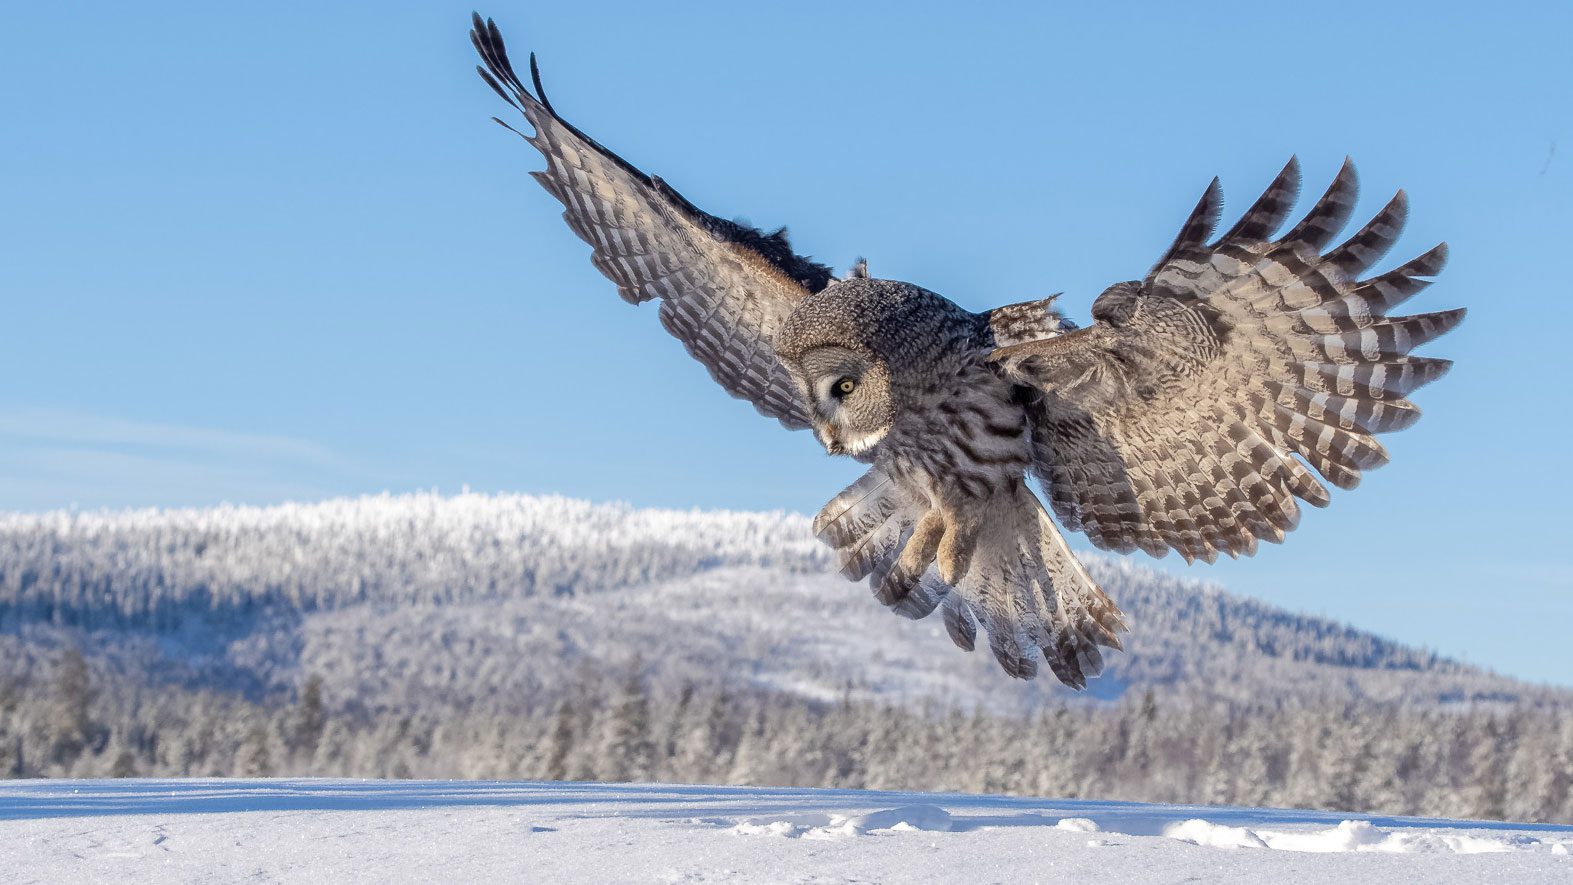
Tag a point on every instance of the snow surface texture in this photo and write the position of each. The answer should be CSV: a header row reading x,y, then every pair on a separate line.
x,y
381,831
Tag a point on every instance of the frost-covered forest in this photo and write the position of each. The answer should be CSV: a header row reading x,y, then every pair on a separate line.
x,y
155,567
511,636
1514,764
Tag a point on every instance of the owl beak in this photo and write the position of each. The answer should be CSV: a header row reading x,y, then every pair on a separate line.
x,y
827,438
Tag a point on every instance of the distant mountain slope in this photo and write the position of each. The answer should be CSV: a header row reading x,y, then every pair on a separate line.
x,y
493,602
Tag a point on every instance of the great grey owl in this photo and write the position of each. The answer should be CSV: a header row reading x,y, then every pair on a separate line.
x,y
1186,417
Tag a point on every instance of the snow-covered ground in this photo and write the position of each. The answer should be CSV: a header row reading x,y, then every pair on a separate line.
x,y
379,831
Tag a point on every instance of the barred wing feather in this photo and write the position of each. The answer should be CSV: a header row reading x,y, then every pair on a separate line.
x,y
724,287
1191,414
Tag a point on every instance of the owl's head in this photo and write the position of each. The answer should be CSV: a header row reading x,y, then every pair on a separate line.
x,y
863,351
849,397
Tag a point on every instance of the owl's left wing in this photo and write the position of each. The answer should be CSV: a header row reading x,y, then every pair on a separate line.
x,y
1175,420
725,288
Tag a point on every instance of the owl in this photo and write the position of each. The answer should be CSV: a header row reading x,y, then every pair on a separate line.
x,y
1205,402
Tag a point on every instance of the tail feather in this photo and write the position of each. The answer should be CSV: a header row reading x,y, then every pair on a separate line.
x,y
867,524
960,624
1032,597
1024,587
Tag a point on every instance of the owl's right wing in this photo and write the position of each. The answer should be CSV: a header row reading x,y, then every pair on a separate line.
x,y
1180,419
725,288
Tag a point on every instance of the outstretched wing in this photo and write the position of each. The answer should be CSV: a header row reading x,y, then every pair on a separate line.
x,y
1174,421
724,288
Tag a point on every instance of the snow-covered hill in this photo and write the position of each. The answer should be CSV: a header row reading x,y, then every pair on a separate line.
x,y
409,831
516,637
489,602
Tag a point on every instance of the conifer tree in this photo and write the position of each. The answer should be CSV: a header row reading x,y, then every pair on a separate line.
x,y
70,725
310,719
627,749
560,742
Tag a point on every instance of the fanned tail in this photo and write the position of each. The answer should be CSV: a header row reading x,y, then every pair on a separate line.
x,y
1022,584
1032,597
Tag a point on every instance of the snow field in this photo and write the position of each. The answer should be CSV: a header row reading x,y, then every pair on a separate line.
x,y
408,831
1348,835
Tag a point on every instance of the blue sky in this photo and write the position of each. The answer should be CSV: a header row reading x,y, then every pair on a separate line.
x,y
259,252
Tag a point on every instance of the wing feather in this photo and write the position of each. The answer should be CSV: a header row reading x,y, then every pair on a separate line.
x,y
724,288
1185,418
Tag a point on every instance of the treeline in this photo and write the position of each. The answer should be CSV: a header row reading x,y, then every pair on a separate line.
x,y
1514,764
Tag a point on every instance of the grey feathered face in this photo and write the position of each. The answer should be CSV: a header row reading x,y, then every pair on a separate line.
x,y
862,351
849,398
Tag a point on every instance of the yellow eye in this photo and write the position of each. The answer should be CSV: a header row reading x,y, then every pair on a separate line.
x,y
844,387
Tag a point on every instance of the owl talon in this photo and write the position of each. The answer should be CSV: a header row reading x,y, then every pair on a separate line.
x,y
955,553
954,567
918,554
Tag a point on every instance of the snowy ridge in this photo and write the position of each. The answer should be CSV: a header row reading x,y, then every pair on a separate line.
x,y
481,601
223,830
387,548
